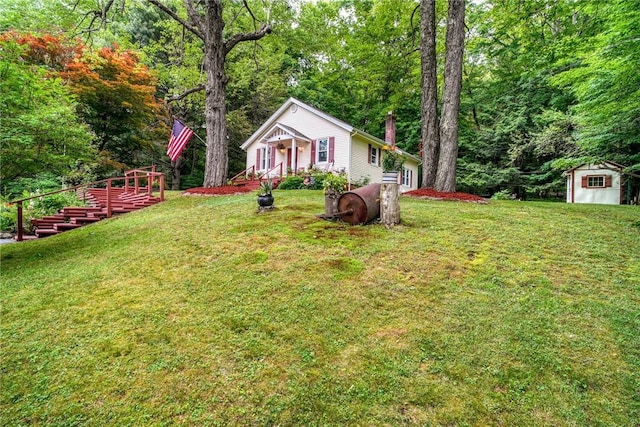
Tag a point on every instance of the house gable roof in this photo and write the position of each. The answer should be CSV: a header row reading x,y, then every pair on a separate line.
x,y
279,129
272,121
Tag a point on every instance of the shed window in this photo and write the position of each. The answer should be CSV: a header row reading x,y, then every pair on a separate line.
x,y
595,181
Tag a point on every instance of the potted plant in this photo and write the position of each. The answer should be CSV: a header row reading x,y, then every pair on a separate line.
x,y
392,162
265,198
334,186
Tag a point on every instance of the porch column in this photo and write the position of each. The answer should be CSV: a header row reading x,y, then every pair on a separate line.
x,y
294,157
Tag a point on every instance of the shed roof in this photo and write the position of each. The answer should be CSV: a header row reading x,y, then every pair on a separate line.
x,y
607,165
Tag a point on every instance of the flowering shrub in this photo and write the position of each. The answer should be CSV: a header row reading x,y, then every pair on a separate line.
x,y
335,184
392,160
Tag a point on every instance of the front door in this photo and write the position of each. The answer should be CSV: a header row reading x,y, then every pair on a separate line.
x,y
288,160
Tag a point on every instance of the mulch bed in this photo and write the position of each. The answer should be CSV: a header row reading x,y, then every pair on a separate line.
x,y
430,193
227,189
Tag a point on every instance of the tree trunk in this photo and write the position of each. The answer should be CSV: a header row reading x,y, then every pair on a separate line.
x,y
175,174
430,136
217,159
331,202
447,162
389,205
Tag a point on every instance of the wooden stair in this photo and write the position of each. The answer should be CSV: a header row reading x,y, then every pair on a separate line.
x,y
70,218
252,184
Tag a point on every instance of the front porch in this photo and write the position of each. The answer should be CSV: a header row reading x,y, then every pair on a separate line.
x,y
283,145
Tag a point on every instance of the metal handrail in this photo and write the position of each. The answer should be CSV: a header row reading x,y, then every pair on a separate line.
x,y
108,181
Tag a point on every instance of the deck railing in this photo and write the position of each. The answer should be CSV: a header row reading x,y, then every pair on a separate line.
x,y
135,174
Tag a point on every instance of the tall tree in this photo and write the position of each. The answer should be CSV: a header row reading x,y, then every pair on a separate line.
x,y
205,20
363,64
116,96
440,146
447,160
605,79
429,109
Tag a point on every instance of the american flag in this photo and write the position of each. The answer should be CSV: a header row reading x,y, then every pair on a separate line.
x,y
180,136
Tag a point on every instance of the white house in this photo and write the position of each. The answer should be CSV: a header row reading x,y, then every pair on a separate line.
x,y
298,137
595,183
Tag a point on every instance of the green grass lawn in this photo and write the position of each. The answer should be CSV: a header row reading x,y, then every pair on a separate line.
x,y
199,311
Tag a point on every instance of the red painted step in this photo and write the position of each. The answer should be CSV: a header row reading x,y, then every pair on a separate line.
x,y
76,216
63,226
43,232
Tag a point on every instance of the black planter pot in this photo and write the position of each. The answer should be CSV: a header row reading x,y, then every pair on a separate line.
x,y
265,200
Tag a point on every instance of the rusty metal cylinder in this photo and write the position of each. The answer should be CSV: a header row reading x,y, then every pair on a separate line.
x,y
360,205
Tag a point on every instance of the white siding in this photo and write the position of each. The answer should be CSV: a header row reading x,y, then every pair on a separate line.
x,y
314,127
360,167
411,165
607,196
351,153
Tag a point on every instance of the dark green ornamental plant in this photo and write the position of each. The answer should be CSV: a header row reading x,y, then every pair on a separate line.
x,y
266,187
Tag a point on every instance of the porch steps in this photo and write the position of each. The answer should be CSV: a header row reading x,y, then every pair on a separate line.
x,y
70,218
253,184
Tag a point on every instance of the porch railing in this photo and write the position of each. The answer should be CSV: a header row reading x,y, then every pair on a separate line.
x,y
249,174
276,167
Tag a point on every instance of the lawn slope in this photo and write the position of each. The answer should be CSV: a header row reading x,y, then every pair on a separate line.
x,y
199,311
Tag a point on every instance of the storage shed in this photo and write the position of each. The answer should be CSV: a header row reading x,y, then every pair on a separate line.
x,y
595,183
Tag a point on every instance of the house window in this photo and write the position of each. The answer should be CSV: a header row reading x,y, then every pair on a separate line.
x,y
406,177
323,150
595,181
374,155
264,158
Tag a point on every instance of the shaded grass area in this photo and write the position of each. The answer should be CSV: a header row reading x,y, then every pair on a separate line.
x,y
199,311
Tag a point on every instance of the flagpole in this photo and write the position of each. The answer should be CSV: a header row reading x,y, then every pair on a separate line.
x,y
196,135
201,140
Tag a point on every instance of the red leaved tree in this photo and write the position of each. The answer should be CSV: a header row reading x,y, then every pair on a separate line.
x,y
117,99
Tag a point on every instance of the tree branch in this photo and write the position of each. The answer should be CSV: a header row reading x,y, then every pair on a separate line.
x,y
175,17
194,16
97,15
185,94
243,37
250,12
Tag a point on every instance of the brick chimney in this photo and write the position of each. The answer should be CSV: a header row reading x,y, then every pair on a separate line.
x,y
390,129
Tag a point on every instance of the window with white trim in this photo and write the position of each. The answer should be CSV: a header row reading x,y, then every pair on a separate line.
x,y
264,158
322,150
595,181
406,177
374,155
